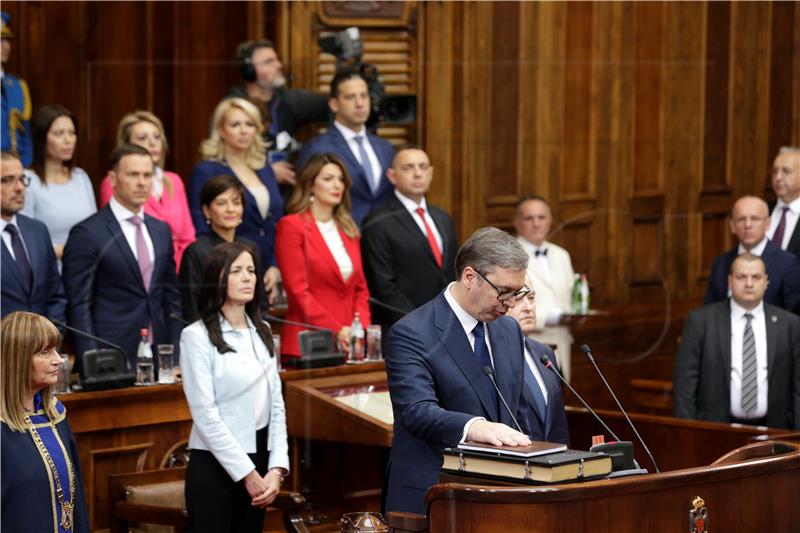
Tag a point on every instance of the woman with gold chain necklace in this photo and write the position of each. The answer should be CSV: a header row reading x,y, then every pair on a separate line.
x,y
42,490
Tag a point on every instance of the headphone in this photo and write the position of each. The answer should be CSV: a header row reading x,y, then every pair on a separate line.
x,y
244,57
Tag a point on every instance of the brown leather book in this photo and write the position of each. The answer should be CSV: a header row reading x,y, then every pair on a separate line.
x,y
535,448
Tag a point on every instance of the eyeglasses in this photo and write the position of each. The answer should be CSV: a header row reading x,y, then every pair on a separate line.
x,y
8,180
506,296
744,220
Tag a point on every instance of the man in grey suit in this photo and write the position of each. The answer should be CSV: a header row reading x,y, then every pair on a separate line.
x,y
739,359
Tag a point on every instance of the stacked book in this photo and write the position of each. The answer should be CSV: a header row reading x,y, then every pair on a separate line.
x,y
539,462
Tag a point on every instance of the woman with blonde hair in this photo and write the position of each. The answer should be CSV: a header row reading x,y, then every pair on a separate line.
x,y
42,489
167,201
319,253
236,147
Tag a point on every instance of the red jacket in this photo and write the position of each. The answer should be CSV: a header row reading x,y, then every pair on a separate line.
x,y
316,291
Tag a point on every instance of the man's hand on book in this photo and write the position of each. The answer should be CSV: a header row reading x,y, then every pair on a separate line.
x,y
496,434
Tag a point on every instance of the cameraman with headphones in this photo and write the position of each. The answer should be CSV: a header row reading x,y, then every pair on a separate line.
x,y
283,110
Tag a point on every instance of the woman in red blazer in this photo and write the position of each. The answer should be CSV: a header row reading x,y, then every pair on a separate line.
x,y
318,252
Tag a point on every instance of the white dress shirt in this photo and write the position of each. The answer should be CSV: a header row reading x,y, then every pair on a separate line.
x,y
758,323
468,323
7,236
350,138
122,214
412,207
791,220
758,249
330,232
541,259
535,369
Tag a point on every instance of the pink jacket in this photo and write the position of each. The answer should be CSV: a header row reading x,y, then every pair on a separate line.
x,y
172,209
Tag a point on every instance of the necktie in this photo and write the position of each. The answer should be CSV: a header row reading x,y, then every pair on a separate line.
x,y
482,353
142,254
538,397
437,254
541,251
362,153
749,400
20,256
777,238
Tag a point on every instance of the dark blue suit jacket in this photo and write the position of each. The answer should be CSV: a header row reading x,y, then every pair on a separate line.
x,y
361,197
783,272
556,429
105,289
46,296
437,385
254,228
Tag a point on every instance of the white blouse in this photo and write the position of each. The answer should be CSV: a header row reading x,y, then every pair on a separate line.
x,y
330,232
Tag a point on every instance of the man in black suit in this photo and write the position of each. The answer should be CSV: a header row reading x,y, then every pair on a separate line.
x,y
543,389
408,246
29,275
784,230
739,359
749,222
118,266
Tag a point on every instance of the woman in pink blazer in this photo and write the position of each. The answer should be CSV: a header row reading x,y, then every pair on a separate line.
x,y
167,201
319,255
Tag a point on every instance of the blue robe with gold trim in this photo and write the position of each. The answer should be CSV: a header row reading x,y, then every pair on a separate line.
x,y
29,502
15,128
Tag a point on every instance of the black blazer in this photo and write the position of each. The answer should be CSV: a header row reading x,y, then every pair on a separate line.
x,y
398,260
701,379
783,272
556,429
794,241
105,290
46,296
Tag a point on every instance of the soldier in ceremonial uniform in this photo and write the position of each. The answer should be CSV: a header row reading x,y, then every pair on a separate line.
x,y
15,129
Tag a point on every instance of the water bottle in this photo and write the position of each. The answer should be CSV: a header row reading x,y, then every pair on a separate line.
x,y
584,294
356,354
576,295
144,361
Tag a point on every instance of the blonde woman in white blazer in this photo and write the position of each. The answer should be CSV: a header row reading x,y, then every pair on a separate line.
x,y
239,450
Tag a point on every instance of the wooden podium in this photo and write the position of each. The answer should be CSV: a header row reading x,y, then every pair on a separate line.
x,y
753,488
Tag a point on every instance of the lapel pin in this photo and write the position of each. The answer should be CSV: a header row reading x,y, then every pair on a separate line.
x,y
774,318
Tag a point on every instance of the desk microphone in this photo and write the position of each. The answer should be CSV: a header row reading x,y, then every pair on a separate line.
x,y
392,308
490,374
272,318
88,335
179,318
549,364
588,352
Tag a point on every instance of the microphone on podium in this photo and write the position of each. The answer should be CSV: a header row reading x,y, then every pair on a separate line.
x,y
490,373
392,308
588,352
273,318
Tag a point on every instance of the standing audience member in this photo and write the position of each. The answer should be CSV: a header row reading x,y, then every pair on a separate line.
x,y
236,148
784,230
29,274
239,449
409,246
749,222
550,271
42,487
435,361
167,201
543,389
119,267
318,250
15,130
283,110
366,156
60,194
222,202
739,359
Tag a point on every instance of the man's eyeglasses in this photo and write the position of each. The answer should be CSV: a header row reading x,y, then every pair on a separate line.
x,y
506,296
8,180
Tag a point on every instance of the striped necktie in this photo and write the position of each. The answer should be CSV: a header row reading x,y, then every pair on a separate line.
x,y
749,400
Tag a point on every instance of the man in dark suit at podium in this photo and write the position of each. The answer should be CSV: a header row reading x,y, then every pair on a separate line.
x,y
30,279
543,389
119,271
739,359
366,156
436,356
407,245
